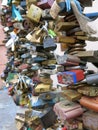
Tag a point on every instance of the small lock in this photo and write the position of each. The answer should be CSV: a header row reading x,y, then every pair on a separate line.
x,y
49,43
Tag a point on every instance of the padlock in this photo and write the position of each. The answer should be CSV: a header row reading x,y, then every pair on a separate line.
x,y
47,118
91,79
88,38
49,43
26,55
55,9
80,33
34,13
66,39
77,47
90,102
40,88
89,91
90,56
23,66
52,69
75,67
68,60
45,4
49,71
49,62
72,95
32,37
70,77
47,96
45,78
66,110
90,120
38,59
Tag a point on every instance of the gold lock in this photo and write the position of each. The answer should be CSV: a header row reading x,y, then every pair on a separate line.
x,y
34,13
72,95
34,36
40,88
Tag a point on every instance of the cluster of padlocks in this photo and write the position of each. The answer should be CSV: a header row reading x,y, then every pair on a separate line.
x,y
55,89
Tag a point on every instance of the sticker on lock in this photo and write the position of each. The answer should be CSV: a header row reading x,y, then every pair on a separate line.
x,y
70,77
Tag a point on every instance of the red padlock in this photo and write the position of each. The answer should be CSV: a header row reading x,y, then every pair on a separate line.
x,y
70,77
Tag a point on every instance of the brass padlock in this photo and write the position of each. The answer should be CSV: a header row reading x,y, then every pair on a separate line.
x,y
34,13
40,88
72,95
34,36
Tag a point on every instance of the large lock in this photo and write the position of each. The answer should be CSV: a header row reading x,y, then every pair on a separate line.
x,y
67,110
34,13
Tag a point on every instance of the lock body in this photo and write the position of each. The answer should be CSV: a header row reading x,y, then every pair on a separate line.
x,y
70,77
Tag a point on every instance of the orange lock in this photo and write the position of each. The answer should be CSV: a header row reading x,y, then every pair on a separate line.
x,y
90,102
